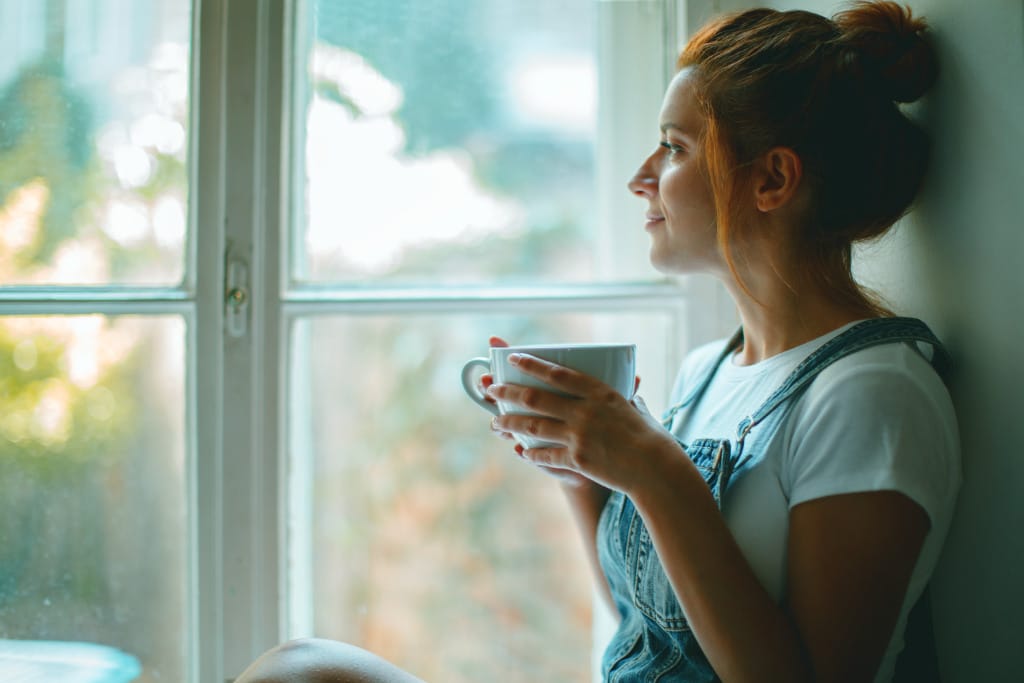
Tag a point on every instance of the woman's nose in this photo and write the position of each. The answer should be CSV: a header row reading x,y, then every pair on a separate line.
x,y
644,182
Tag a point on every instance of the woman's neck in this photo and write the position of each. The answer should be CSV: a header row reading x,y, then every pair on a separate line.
x,y
781,319
781,304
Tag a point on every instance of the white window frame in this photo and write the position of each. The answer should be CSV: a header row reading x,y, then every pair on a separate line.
x,y
237,189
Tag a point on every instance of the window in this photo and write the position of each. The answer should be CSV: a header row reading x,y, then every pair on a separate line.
x,y
245,247
94,340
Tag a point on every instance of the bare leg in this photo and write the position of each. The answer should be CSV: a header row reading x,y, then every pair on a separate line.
x,y
315,660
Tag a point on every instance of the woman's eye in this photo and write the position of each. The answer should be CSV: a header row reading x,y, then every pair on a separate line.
x,y
674,149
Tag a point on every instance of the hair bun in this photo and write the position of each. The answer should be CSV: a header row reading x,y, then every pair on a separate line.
x,y
889,43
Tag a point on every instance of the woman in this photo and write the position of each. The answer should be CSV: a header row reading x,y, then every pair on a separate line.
x,y
788,513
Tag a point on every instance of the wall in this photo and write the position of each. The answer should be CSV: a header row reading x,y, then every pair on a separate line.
x,y
956,262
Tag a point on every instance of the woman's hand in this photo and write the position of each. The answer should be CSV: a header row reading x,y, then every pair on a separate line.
x,y
565,476
604,437
486,380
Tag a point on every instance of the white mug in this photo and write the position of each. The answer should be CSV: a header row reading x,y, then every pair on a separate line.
x,y
613,364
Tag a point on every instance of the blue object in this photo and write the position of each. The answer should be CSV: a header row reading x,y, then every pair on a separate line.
x,y
38,661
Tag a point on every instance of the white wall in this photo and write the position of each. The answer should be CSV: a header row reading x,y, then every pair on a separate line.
x,y
958,263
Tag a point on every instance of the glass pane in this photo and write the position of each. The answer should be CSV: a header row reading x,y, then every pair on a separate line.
x,y
449,142
93,141
92,498
414,532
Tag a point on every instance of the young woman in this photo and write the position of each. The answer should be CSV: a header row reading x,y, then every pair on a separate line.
x,y
783,518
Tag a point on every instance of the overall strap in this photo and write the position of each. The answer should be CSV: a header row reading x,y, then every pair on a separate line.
x,y
709,371
860,336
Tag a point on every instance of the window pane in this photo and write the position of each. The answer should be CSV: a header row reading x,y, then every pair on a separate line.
x,y
93,141
415,532
92,496
450,142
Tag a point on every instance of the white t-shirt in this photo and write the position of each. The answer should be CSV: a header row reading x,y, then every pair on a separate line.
x,y
877,419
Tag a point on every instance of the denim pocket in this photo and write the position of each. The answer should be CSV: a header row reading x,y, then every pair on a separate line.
x,y
652,593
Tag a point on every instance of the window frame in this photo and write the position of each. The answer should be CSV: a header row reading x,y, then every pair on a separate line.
x,y
242,167
238,522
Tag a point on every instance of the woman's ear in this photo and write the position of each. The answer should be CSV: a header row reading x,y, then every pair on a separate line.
x,y
777,178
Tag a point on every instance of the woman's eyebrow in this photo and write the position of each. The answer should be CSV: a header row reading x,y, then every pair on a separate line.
x,y
679,130
667,125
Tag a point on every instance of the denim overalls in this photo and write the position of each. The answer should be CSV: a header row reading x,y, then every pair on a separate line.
x,y
653,641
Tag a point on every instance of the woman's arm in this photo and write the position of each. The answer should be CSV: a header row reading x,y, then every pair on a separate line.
x,y
849,563
849,556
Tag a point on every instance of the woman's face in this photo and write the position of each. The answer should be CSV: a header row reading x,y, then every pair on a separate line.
x,y
673,180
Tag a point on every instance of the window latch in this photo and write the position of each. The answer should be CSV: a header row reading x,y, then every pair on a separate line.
x,y
236,298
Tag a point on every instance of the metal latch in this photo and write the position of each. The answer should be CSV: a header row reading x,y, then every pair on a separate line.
x,y
236,297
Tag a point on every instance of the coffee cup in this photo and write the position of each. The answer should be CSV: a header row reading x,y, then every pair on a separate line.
x,y
613,364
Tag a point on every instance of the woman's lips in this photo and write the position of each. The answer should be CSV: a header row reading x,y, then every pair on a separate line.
x,y
653,220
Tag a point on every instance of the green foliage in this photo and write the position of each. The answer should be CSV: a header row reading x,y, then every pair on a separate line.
x,y
62,438
45,132
48,424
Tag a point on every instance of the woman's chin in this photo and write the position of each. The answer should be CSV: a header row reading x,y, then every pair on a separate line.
x,y
667,264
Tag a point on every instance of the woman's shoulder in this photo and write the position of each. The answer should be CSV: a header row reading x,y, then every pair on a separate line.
x,y
878,418
885,368
889,391
891,383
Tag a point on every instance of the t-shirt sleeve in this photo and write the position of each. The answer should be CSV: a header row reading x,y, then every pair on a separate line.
x,y
874,428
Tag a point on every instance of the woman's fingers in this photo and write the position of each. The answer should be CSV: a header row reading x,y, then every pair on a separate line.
x,y
551,459
486,380
535,426
498,431
560,377
508,436
532,399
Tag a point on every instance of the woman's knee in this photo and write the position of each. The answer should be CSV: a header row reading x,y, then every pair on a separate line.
x,y
316,660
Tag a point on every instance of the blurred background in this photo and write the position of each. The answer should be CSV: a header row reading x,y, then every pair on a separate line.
x,y
445,146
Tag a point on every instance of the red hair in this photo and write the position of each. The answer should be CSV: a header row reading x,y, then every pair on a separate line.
x,y
827,89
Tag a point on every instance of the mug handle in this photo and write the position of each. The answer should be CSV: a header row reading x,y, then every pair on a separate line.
x,y
471,386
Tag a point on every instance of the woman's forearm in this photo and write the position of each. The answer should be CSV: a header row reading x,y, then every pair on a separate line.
x,y
743,632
